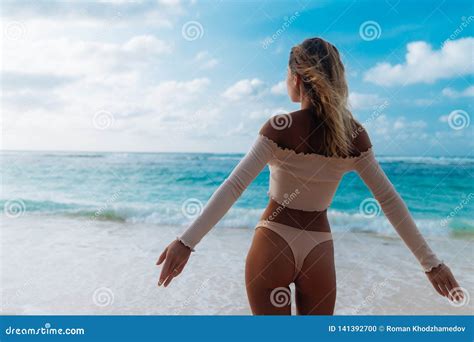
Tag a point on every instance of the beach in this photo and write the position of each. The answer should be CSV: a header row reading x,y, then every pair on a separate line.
x,y
81,233
67,266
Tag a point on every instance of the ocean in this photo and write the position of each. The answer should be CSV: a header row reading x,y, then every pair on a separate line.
x,y
171,188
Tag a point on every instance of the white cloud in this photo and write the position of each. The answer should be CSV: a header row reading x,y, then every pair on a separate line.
x,y
396,128
244,88
425,65
116,13
402,123
176,91
146,44
364,100
422,102
267,113
279,88
75,57
450,92
240,129
170,3
205,60
139,112
401,136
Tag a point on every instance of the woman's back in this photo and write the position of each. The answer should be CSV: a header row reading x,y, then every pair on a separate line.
x,y
303,177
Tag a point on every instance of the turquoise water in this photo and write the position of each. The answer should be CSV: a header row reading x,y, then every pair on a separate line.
x,y
165,188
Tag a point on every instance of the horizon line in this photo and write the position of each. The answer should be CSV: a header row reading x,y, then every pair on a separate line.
x,y
176,152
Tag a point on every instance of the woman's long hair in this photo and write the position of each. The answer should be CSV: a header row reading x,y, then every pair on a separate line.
x,y
319,65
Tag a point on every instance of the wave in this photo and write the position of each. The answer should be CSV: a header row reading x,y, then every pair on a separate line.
x,y
171,214
104,215
84,156
230,157
427,160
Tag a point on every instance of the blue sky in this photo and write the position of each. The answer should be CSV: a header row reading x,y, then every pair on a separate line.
x,y
172,75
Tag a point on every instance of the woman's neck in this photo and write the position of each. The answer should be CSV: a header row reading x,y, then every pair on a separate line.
x,y
306,102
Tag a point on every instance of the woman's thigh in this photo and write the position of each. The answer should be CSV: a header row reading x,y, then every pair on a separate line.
x,y
269,269
316,282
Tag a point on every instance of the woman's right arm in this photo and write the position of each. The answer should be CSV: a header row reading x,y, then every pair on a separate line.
x,y
177,253
229,191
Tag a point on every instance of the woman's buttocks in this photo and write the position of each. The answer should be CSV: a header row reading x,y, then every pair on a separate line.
x,y
299,219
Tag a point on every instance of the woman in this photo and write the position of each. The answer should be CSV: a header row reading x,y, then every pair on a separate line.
x,y
308,151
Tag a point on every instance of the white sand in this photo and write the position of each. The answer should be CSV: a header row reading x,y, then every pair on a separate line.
x,y
61,266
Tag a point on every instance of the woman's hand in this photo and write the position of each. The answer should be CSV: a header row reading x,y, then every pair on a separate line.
x,y
175,256
444,283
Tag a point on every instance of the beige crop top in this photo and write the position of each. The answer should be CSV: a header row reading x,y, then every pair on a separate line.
x,y
308,181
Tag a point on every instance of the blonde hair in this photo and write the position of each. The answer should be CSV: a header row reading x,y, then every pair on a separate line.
x,y
319,65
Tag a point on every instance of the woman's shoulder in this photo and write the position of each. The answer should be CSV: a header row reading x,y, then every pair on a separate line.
x,y
283,124
360,137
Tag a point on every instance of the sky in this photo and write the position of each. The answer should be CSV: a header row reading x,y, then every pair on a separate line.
x,y
203,76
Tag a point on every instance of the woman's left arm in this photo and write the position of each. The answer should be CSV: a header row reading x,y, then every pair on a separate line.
x,y
397,213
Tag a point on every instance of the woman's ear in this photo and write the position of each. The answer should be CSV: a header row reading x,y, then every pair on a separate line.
x,y
296,80
298,87
293,81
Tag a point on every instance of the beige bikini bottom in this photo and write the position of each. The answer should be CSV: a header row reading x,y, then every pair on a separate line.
x,y
301,242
